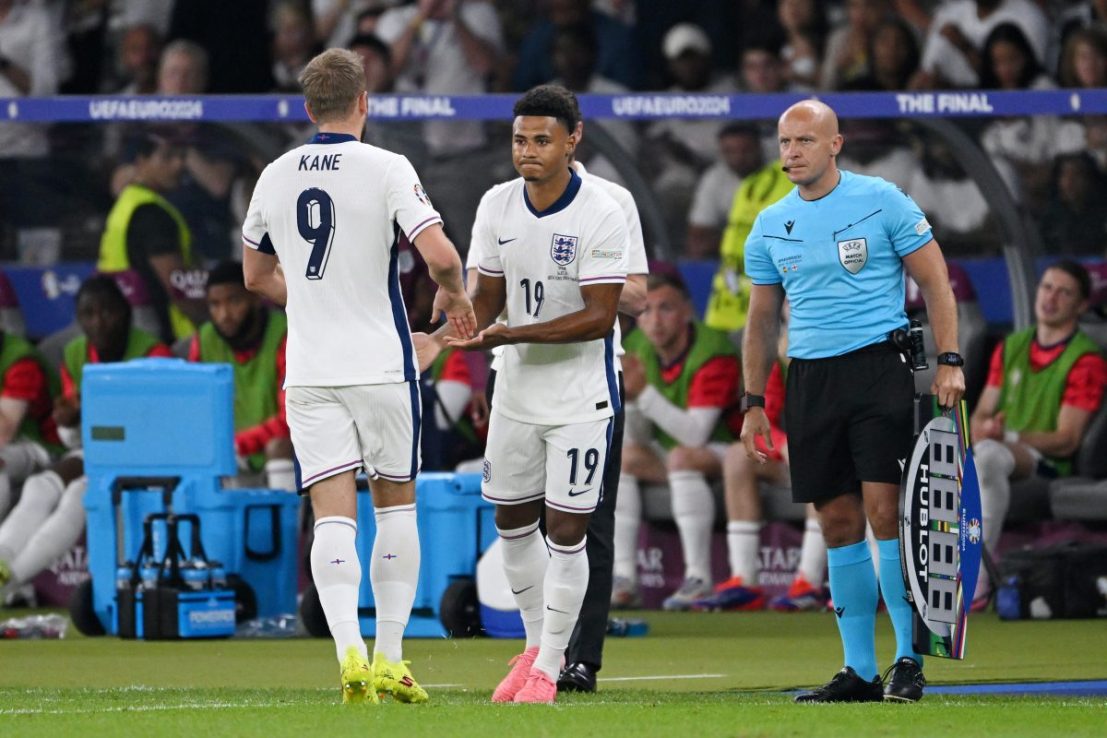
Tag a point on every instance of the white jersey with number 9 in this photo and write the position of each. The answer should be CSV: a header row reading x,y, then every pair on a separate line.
x,y
332,211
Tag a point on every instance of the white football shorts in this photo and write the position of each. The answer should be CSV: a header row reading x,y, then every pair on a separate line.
x,y
336,429
562,463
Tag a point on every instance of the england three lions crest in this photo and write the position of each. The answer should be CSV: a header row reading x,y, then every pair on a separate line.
x,y
853,254
563,249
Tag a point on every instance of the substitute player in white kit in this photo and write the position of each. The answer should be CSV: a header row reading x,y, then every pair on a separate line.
x,y
553,251
321,234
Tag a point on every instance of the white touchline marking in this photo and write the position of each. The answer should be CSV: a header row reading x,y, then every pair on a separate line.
x,y
150,708
655,678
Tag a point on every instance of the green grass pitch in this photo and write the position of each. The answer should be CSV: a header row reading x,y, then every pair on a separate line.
x,y
694,675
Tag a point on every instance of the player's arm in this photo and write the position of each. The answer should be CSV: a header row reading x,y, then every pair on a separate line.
x,y
1065,439
264,275
12,413
712,389
445,269
595,320
928,267
759,351
23,382
632,301
984,422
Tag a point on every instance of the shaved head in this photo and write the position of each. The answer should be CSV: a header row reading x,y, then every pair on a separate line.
x,y
809,142
814,112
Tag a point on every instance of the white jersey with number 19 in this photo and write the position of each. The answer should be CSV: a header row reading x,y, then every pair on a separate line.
x,y
332,211
545,259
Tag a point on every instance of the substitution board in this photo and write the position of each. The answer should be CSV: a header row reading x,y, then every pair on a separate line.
x,y
940,528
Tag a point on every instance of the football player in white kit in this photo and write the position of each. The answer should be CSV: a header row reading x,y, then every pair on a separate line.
x,y
584,656
553,252
321,234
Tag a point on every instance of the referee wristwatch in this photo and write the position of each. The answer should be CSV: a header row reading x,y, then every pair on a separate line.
x,y
749,401
951,358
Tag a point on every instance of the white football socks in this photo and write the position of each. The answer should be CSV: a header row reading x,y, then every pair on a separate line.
x,y
812,564
56,535
743,543
41,494
337,573
394,574
525,562
628,517
563,589
280,474
694,513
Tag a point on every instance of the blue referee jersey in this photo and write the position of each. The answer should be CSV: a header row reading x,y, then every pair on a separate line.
x,y
840,260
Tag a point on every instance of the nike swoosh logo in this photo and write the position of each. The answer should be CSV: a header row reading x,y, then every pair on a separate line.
x,y
502,241
579,493
520,591
554,609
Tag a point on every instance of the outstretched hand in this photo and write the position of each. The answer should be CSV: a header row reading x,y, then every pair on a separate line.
x,y
458,310
491,337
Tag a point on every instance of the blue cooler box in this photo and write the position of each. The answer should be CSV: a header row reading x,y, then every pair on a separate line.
x,y
158,433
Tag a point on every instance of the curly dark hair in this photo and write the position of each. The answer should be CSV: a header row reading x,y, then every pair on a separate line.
x,y
554,101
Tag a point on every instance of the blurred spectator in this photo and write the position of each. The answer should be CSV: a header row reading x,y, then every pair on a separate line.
x,y
84,28
758,23
155,13
28,435
730,287
50,516
337,21
145,232
30,64
688,56
251,337
293,44
1084,60
718,18
805,29
762,71
448,47
849,47
1028,143
893,59
740,151
183,69
1075,222
1045,384
575,52
616,55
226,30
958,211
952,56
1085,14
681,381
139,51
876,148
398,136
916,13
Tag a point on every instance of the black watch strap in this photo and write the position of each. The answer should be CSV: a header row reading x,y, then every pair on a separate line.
x,y
951,358
749,401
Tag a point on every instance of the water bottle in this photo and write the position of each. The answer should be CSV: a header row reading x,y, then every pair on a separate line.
x,y
918,347
277,626
35,626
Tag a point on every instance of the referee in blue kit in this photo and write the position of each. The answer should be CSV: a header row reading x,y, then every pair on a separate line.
x,y
836,246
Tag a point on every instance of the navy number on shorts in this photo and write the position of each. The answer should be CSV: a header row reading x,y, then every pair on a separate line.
x,y
591,460
539,296
315,219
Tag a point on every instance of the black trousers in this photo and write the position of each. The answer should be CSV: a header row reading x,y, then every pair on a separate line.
x,y
587,642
